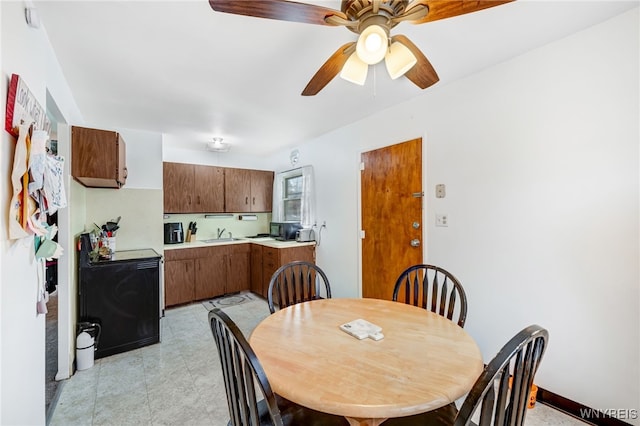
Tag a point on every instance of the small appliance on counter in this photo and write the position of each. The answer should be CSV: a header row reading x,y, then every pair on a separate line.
x,y
173,233
284,231
305,235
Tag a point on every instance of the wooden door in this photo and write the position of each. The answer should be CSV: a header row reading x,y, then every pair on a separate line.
x,y
237,190
211,273
239,267
177,183
178,281
257,285
261,191
391,191
209,189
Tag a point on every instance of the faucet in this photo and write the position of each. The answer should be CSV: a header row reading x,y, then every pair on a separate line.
x,y
220,232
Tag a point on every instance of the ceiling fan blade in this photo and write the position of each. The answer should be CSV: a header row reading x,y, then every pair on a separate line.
x,y
329,69
442,9
422,73
282,10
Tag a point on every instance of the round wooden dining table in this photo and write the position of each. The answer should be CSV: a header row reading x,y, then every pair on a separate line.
x,y
424,361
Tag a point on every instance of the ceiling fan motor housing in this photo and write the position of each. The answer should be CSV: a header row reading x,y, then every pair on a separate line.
x,y
365,13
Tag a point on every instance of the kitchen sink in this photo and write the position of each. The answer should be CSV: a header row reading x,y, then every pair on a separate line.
x,y
221,240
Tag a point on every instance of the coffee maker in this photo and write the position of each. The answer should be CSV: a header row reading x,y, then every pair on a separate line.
x,y
173,233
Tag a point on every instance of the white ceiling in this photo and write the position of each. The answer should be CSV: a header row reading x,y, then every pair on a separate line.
x,y
179,68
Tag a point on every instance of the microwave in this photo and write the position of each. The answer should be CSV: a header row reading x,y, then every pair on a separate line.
x,y
284,231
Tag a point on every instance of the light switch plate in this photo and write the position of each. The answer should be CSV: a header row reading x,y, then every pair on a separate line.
x,y
440,190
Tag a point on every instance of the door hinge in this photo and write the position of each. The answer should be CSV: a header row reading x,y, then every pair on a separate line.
x,y
361,165
362,234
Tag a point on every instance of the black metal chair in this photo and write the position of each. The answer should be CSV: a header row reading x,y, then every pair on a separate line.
x,y
245,381
501,393
297,282
435,289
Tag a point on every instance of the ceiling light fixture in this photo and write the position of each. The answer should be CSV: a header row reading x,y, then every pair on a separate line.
x,y
354,70
399,60
373,44
218,146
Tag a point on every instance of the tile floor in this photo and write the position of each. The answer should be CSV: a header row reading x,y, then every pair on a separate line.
x,y
178,381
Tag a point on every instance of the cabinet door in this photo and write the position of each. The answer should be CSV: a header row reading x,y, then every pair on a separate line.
x,y
305,253
261,191
270,263
179,281
178,183
239,268
121,170
95,158
211,273
209,189
257,284
237,190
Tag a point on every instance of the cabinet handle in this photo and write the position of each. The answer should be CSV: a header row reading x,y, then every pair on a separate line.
x,y
189,198
198,199
246,200
254,201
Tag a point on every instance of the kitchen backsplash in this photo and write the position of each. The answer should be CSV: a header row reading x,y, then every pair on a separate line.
x,y
208,226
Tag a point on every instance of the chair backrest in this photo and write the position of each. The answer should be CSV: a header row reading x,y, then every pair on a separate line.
x,y
502,390
242,372
433,288
297,282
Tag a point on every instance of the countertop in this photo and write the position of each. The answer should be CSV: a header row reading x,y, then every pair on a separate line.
x,y
263,241
126,255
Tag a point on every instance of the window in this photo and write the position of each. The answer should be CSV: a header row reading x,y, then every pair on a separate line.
x,y
292,198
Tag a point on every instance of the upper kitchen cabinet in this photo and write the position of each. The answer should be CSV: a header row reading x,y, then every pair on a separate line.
x,y
191,188
98,158
248,190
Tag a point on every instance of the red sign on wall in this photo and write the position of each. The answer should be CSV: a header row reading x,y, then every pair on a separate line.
x,y
23,108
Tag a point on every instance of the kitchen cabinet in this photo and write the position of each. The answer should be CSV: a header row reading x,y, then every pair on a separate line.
x,y
179,276
256,269
98,158
192,188
248,190
207,272
211,276
272,259
238,271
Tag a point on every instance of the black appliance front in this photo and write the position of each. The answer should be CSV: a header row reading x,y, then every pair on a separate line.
x,y
284,231
173,233
123,296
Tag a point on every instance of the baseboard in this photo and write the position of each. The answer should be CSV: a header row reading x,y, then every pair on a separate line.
x,y
584,413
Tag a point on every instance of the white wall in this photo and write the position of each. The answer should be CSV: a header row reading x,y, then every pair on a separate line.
x,y
26,52
540,156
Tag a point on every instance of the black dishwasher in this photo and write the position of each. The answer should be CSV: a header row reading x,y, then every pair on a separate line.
x,y
122,294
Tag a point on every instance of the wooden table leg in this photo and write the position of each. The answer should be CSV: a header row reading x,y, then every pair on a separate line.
x,y
357,421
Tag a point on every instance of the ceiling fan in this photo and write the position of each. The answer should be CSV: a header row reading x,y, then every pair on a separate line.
x,y
372,20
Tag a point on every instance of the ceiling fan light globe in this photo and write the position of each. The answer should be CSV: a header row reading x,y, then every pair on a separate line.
x,y
399,60
354,70
372,44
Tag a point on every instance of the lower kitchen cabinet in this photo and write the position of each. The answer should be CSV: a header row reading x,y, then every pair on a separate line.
x,y
179,280
211,272
204,273
239,269
272,259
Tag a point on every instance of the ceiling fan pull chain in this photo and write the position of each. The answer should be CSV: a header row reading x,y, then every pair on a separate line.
x,y
375,81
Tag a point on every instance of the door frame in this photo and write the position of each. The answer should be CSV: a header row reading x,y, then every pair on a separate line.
x,y
426,205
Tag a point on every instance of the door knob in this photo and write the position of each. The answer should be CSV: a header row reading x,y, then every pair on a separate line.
x,y
415,242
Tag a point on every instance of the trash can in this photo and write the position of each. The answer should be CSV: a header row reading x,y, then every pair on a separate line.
x,y
86,344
